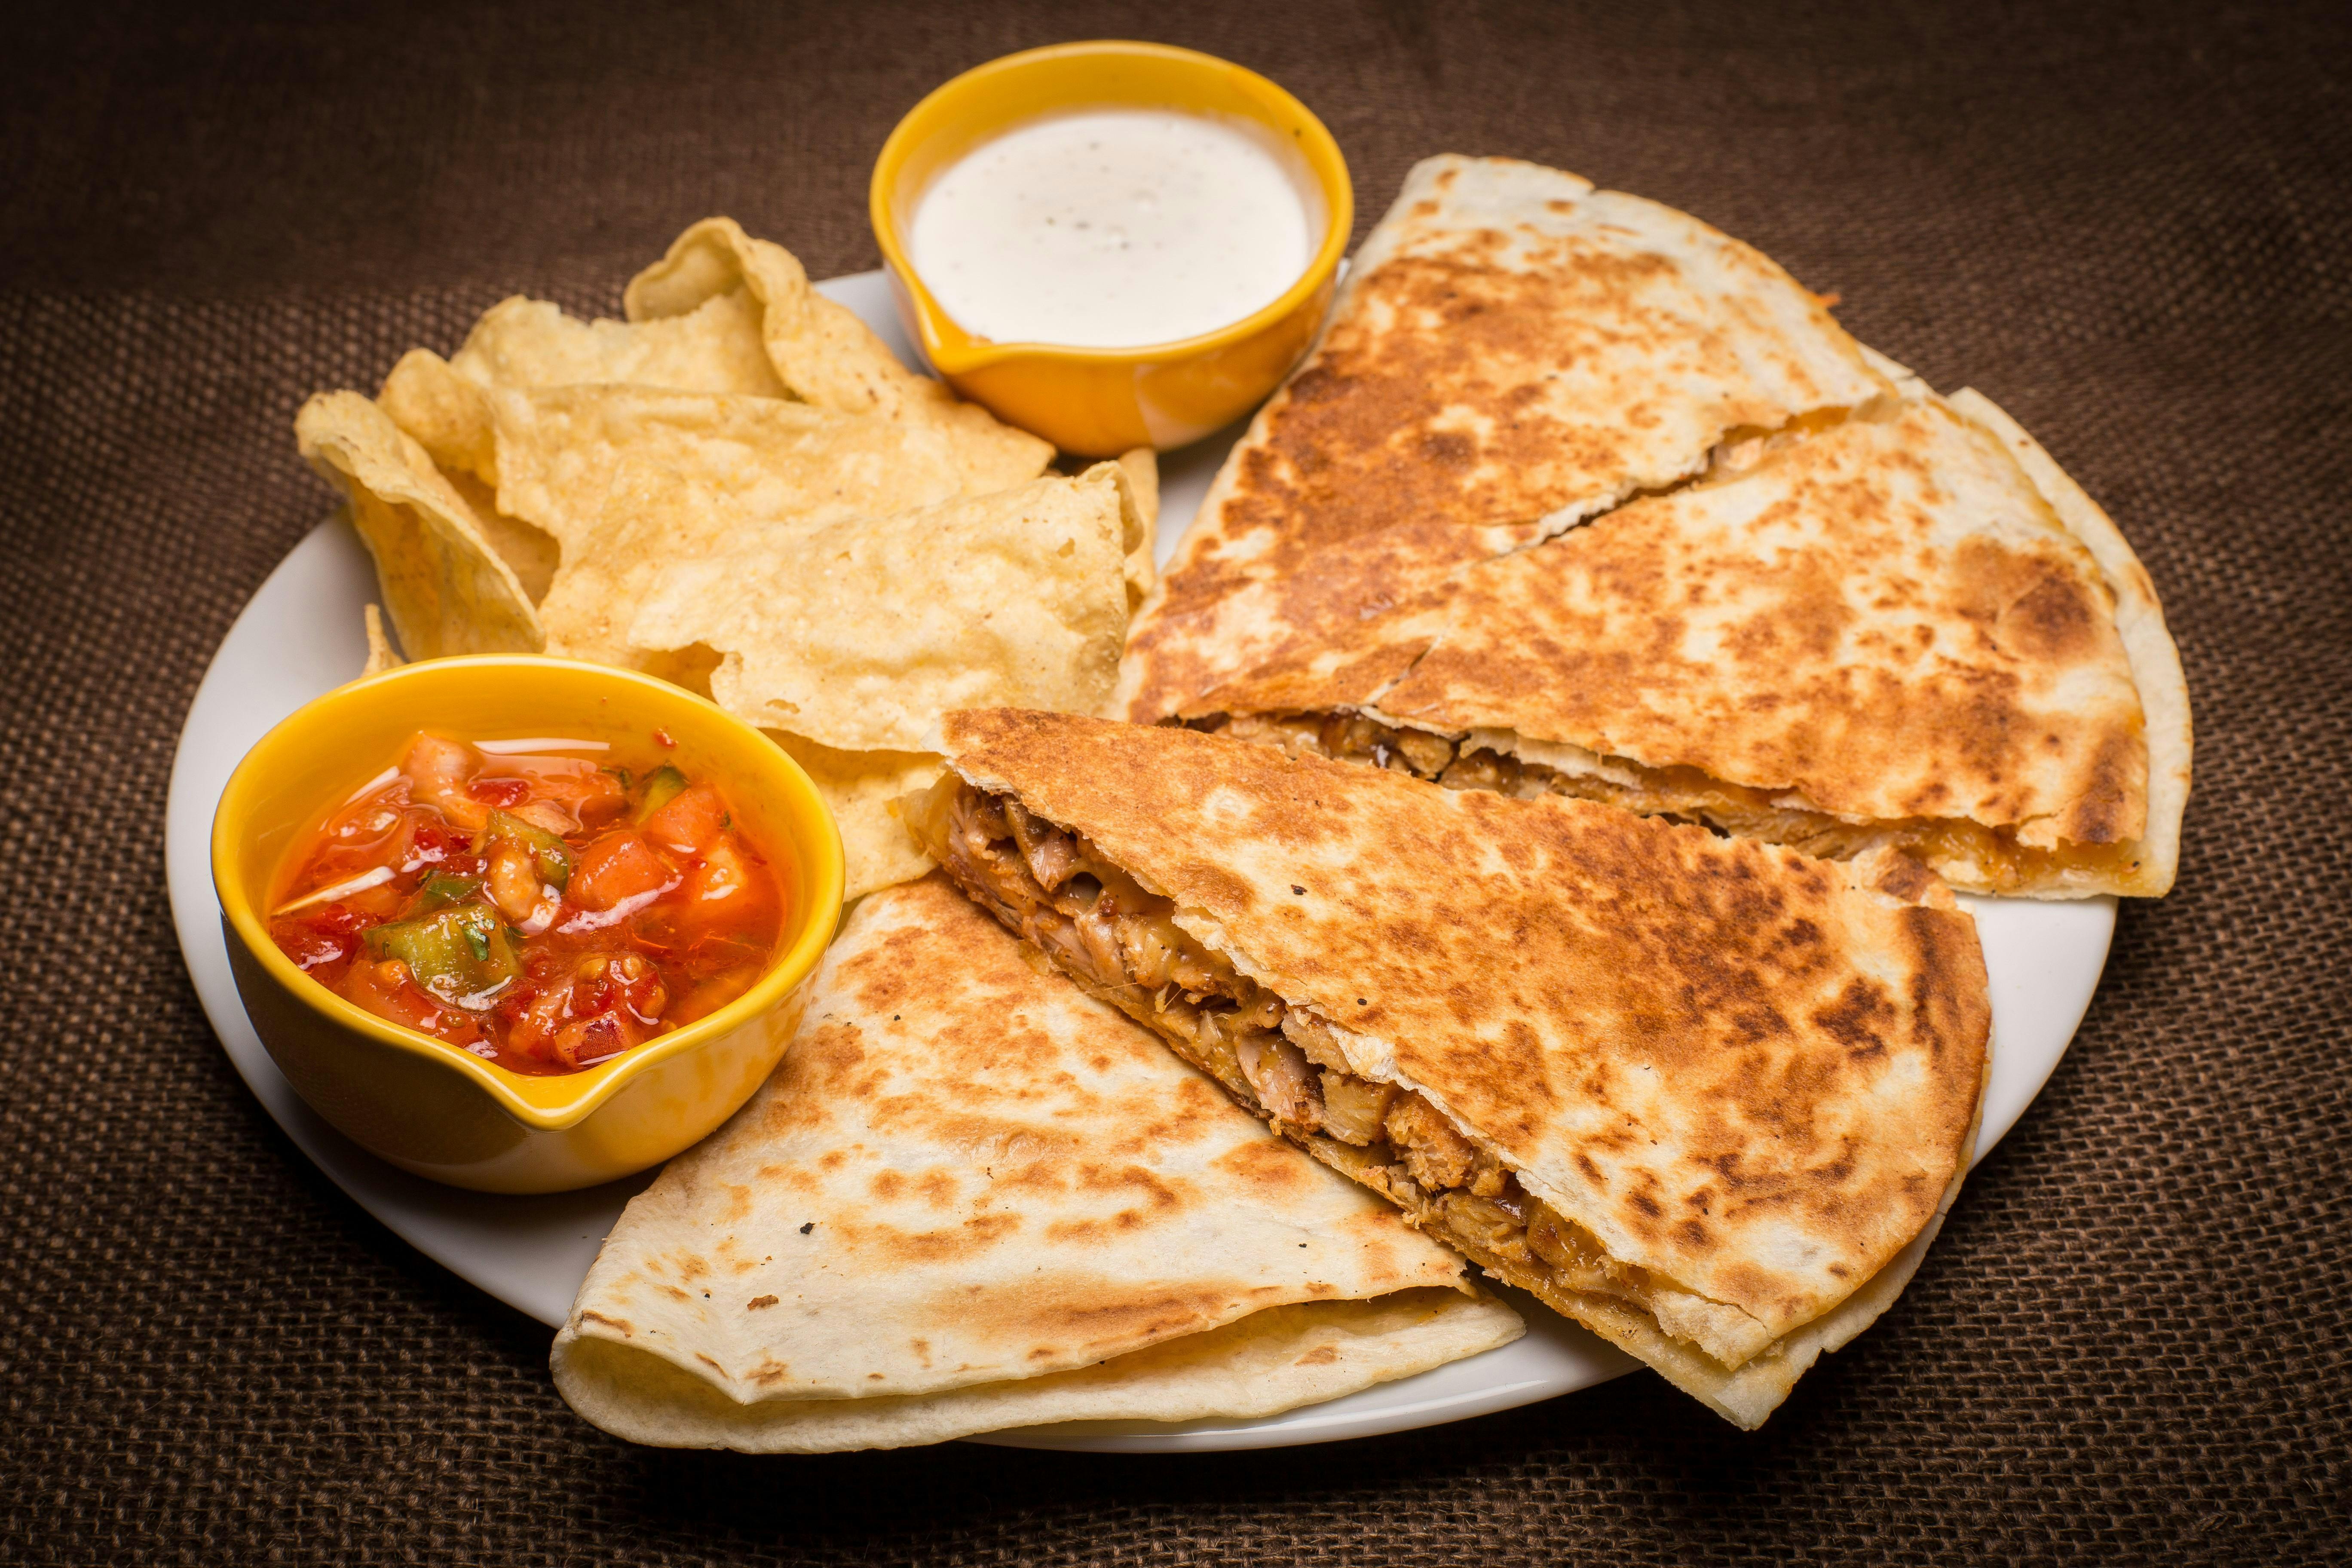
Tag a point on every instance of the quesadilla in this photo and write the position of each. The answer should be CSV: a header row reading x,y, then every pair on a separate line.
x,y
1707,1096
973,1198
1512,353
1884,633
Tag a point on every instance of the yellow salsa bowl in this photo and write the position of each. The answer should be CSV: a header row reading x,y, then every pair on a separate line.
x,y
435,1108
1100,402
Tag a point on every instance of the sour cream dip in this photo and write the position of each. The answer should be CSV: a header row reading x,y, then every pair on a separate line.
x,y
1114,229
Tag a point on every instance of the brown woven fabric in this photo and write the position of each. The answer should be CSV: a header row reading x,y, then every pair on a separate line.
x,y
2130,226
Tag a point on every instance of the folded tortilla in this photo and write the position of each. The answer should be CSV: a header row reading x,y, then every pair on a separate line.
x,y
1513,352
1888,632
1707,1096
973,1198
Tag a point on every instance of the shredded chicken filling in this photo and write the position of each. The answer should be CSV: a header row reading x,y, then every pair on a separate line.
x,y
1121,942
1966,852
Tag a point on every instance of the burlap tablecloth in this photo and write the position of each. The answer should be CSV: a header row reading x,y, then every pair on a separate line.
x,y
2130,228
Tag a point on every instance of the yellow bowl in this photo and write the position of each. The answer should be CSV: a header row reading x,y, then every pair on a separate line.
x,y
430,1107
1100,402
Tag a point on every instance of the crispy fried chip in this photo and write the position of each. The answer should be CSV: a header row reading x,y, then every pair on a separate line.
x,y
525,343
1141,466
715,347
521,342
628,479
722,312
860,634
863,789
593,452
445,586
531,551
447,414
823,351
381,656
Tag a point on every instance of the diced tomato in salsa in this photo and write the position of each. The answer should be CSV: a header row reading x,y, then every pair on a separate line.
x,y
539,910
617,867
690,821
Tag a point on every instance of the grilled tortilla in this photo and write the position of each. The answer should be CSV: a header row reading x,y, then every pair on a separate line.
x,y
1707,1096
1513,352
1887,633
973,1198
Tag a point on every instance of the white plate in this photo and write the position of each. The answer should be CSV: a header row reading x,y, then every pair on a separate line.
x,y
300,636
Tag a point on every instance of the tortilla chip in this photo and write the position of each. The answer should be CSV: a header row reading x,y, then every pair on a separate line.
x,y
721,313
381,656
1141,466
591,452
531,552
823,352
449,415
860,634
715,347
523,343
627,479
443,412
863,790
446,588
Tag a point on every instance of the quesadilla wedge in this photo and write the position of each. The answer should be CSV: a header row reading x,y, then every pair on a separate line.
x,y
1891,631
1707,1096
1512,353
973,1198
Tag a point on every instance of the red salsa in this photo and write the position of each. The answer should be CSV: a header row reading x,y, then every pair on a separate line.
x,y
548,911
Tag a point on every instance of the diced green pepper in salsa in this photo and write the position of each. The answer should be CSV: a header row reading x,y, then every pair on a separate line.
x,y
542,910
662,785
461,956
550,857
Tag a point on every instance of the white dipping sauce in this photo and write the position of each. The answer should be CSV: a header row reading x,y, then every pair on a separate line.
x,y
1112,228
